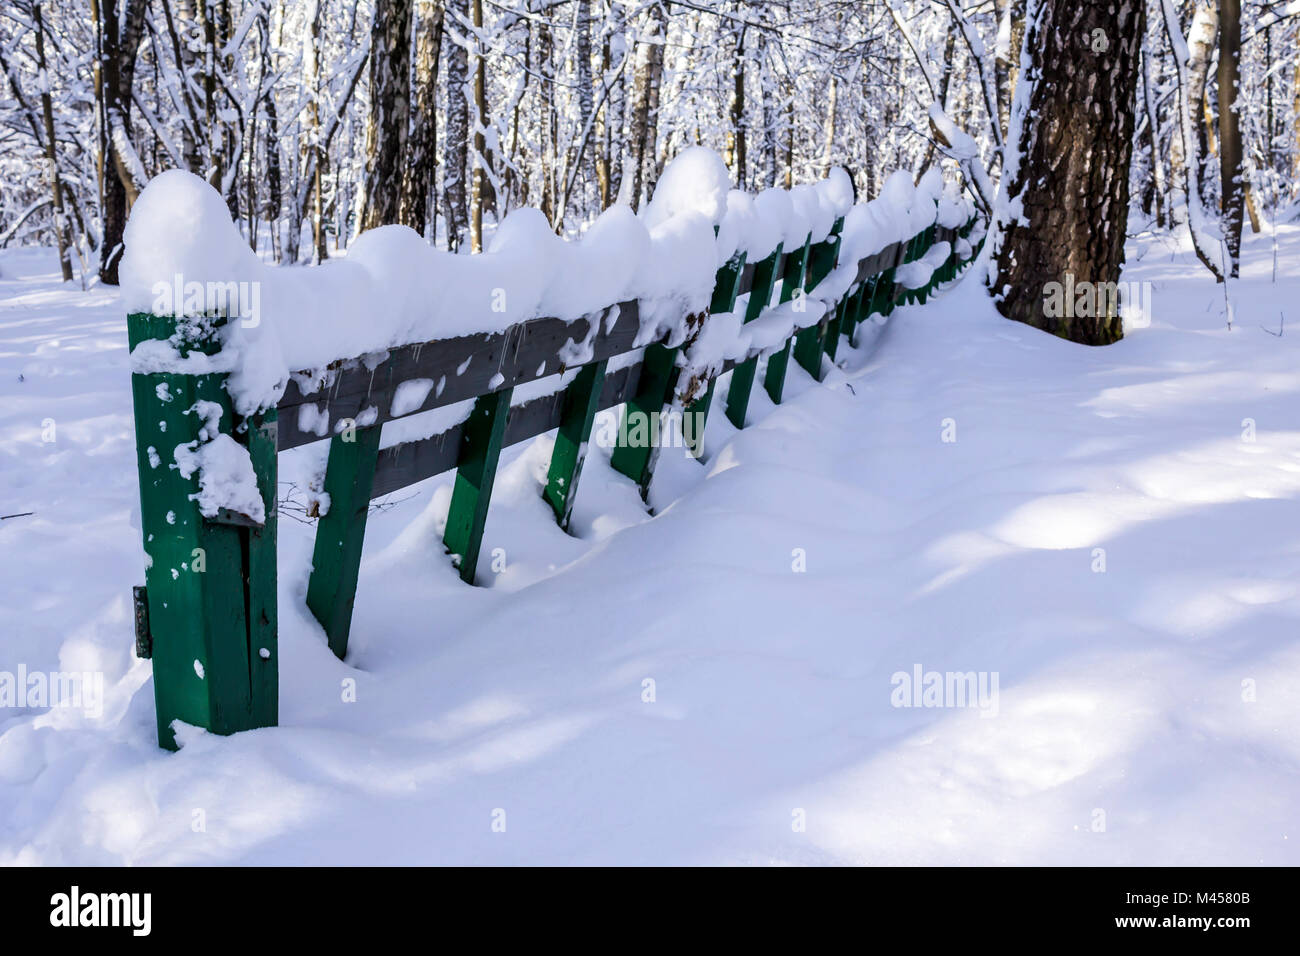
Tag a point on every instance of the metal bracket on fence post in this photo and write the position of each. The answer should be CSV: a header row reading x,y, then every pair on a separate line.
x,y
210,582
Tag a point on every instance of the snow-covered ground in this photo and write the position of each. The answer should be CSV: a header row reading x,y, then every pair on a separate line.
x,y
1146,713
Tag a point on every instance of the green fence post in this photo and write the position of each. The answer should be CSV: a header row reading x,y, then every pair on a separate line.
x,y
809,343
796,267
476,470
857,308
580,400
742,376
263,613
726,284
637,448
209,581
638,434
833,327
341,532
882,297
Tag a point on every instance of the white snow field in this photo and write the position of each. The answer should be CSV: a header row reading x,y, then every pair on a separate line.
x,y
1147,713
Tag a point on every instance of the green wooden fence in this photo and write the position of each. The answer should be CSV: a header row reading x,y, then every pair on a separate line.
x,y
207,613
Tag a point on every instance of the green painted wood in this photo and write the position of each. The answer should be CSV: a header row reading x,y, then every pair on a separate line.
x,y
808,348
823,257
581,400
694,418
726,286
810,343
480,450
637,444
637,447
858,308
882,298
862,306
263,613
210,582
742,376
832,343
796,270
778,364
341,533
913,248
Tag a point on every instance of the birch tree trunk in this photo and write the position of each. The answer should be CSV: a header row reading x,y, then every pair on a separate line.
x,y
604,134
481,192
121,38
642,124
736,135
456,142
1006,68
51,147
1200,47
767,111
828,142
390,111
585,91
1153,138
1064,210
1230,147
616,107
422,147
1188,171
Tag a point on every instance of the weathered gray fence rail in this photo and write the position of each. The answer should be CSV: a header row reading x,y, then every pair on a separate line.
x,y
207,614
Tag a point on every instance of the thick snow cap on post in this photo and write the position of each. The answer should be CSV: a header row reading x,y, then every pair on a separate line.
x,y
836,192
774,208
180,227
184,256
696,180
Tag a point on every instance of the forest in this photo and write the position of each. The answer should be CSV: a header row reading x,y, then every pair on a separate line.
x,y
317,119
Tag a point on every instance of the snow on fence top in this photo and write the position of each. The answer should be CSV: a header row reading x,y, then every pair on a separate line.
x,y
185,257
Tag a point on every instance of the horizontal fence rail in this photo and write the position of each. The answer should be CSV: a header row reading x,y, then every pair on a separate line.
x,y
210,594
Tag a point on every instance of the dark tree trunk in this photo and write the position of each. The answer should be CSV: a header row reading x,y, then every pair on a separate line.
x,y
456,142
390,111
1072,181
121,38
642,127
736,143
422,147
1230,171
482,195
